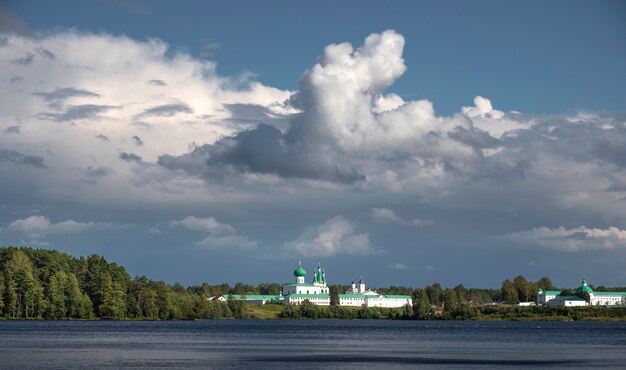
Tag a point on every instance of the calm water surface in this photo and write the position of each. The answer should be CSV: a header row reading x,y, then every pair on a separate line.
x,y
253,344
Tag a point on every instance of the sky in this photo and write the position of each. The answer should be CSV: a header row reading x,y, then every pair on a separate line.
x,y
407,142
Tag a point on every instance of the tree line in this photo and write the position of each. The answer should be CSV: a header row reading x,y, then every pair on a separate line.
x,y
48,284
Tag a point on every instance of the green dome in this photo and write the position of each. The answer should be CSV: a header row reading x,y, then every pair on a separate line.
x,y
299,272
584,287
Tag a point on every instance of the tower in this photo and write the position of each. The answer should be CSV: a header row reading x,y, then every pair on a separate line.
x,y
299,273
319,276
361,285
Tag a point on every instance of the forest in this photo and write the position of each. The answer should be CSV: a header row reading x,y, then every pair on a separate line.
x,y
51,285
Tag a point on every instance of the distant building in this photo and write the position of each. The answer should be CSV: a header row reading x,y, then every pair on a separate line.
x,y
554,297
318,293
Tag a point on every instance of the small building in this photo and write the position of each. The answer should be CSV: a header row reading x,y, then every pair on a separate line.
x,y
258,299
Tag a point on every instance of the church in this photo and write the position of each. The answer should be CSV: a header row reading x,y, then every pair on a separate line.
x,y
318,293
554,297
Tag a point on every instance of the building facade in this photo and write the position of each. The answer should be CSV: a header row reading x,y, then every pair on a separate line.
x,y
554,297
318,293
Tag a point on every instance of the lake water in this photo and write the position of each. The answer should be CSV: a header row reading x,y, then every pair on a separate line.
x,y
253,344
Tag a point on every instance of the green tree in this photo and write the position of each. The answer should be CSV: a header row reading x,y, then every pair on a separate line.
x,y
461,293
435,294
450,302
545,283
113,305
421,304
1,293
57,308
524,288
11,298
509,293
308,310
26,293
78,303
334,295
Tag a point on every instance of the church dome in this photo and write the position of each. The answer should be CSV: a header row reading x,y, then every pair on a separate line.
x,y
584,287
299,272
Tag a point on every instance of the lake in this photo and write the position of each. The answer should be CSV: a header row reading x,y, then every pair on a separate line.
x,y
356,344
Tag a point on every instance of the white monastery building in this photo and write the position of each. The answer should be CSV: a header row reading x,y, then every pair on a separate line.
x,y
318,293
554,297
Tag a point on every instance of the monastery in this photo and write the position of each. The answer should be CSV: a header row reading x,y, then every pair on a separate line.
x,y
554,297
318,293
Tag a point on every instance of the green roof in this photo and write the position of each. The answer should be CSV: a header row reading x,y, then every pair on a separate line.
x,y
604,294
398,296
299,272
584,287
252,296
552,292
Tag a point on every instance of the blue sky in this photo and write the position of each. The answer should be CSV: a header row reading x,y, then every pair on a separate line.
x,y
408,142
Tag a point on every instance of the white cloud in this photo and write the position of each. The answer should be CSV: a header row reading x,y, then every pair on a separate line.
x,y
387,215
155,231
227,241
220,235
82,107
491,120
335,236
399,266
38,226
352,144
570,240
207,225
482,108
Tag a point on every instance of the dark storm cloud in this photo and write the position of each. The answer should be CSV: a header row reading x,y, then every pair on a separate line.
x,y
76,112
166,110
3,41
19,159
130,157
138,140
261,150
157,83
15,79
12,129
26,60
45,53
59,95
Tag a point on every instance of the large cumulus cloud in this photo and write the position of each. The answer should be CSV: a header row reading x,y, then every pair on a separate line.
x,y
344,118
75,101
73,120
